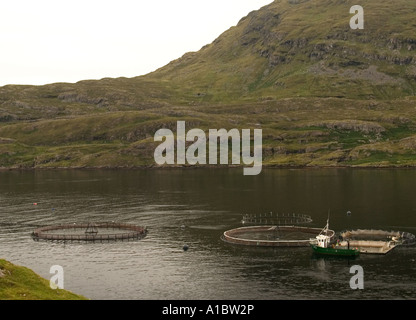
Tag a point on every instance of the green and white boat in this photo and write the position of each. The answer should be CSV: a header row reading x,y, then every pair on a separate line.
x,y
321,245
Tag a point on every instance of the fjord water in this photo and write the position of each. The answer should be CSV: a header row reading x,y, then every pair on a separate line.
x,y
194,207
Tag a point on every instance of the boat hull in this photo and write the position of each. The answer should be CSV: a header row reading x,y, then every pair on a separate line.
x,y
342,252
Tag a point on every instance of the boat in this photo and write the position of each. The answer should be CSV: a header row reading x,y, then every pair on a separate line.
x,y
321,245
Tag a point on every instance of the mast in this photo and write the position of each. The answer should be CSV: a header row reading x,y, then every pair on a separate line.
x,y
326,228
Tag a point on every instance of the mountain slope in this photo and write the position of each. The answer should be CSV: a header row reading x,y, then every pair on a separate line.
x,y
306,48
323,94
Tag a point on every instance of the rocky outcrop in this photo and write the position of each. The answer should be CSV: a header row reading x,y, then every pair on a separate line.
x,y
82,98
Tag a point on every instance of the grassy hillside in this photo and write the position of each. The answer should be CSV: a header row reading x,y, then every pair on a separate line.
x,y
20,283
324,95
294,48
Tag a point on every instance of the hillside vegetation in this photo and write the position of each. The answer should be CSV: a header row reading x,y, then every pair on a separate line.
x,y
21,283
324,95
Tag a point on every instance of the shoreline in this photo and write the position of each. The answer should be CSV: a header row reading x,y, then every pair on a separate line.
x,y
18,282
193,167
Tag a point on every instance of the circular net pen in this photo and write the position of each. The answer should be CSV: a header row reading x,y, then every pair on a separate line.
x,y
273,236
92,232
279,219
403,238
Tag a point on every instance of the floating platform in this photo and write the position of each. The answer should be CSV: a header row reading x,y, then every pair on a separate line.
x,y
106,231
371,246
376,241
273,236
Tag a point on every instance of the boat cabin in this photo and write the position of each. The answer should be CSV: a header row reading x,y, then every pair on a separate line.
x,y
322,241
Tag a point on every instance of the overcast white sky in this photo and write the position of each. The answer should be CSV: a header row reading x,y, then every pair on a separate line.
x,y
46,41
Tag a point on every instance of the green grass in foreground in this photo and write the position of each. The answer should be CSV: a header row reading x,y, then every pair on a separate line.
x,y
21,283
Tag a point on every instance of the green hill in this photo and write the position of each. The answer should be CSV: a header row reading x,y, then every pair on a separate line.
x,y
305,49
21,283
324,94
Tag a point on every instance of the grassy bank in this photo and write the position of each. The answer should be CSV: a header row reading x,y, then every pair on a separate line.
x,y
21,283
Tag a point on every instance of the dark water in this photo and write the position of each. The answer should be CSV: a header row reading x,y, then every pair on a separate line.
x,y
208,202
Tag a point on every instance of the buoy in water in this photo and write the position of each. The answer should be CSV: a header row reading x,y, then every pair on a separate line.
x,y
35,203
185,247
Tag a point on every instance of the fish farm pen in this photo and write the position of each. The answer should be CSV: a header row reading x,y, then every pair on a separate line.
x,y
92,232
273,236
276,219
377,241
